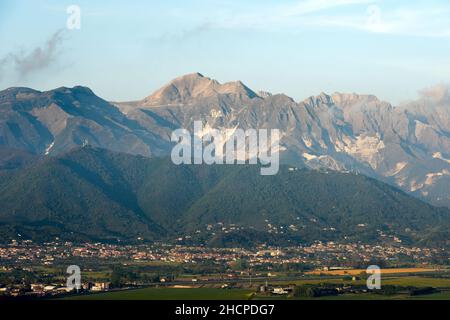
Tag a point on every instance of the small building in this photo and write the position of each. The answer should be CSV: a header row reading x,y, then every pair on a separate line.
x,y
100,286
49,288
37,287
280,291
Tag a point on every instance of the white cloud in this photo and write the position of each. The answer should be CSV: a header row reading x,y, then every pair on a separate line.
x,y
373,16
428,22
311,6
282,15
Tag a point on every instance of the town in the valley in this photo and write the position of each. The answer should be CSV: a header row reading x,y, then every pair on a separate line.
x,y
31,271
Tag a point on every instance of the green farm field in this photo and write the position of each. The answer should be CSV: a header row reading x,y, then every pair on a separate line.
x,y
246,293
170,294
414,281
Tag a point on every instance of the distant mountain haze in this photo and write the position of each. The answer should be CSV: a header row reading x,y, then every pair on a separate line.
x,y
407,146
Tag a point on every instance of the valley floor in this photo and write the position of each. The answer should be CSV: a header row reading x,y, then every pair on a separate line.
x,y
250,291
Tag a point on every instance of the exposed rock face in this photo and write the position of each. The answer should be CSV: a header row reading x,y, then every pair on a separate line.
x,y
59,120
407,146
188,88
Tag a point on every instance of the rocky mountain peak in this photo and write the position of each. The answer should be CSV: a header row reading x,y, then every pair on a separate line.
x,y
408,145
264,94
353,98
17,93
321,99
193,86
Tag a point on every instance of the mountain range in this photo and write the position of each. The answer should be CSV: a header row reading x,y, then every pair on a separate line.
x,y
407,146
92,194
354,168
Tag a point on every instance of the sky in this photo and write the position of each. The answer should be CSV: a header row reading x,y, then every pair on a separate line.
x,y
125,50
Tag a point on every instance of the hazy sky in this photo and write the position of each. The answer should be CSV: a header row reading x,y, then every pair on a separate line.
x,y
127,49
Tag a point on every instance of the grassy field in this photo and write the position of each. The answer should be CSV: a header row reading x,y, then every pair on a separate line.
x,y
236,294
355,272
414,281
369,296
245,293
170,294
417,281
445,295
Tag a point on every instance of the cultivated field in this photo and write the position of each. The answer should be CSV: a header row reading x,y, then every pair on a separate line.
x,y
247,291
170,294
355,272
